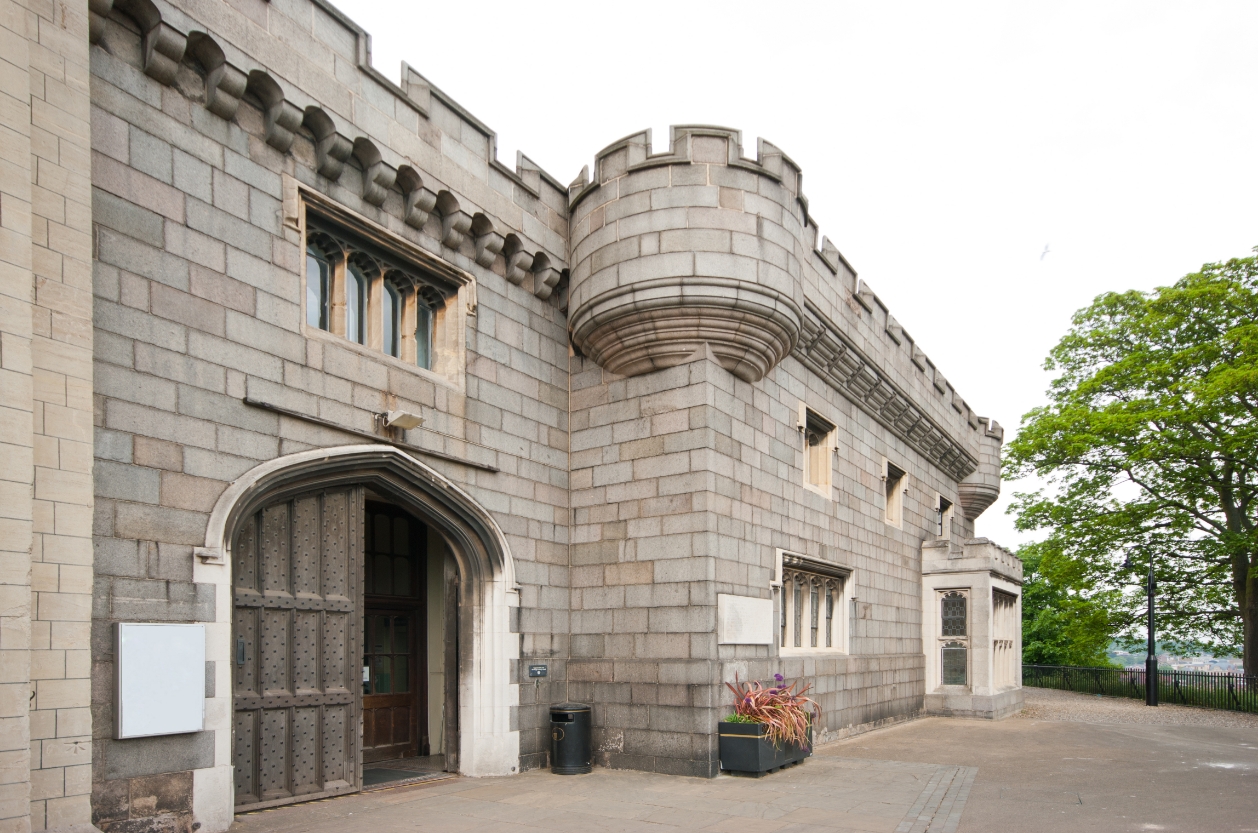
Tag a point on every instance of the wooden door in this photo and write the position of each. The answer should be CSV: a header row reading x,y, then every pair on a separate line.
x,y
297,564
394,673
390,695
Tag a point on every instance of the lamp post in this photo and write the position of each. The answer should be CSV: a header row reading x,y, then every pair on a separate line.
x,y
1151,660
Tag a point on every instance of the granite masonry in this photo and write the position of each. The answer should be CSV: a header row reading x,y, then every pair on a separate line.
x,y
289,357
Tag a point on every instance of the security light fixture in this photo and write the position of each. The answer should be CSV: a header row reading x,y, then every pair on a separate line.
x,y
402,419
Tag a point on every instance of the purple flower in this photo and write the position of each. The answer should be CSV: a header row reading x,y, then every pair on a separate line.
x,y
778,677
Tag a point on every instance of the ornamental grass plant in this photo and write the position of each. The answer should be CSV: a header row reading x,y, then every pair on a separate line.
x,y
785,713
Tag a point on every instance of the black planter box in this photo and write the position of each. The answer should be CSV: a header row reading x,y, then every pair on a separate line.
x,y
744,749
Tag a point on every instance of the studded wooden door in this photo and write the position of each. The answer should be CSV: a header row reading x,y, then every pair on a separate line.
x,y
297,568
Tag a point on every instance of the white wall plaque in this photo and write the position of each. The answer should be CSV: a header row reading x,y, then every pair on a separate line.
x,y
159,674
743,620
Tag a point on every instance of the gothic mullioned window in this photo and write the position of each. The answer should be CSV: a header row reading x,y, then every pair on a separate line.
x,y
812,609
362,291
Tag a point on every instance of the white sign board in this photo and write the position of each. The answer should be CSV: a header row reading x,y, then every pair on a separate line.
x,y
159,671
743,620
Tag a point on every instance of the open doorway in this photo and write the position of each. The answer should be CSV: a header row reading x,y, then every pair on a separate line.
x,y
409,587
290,541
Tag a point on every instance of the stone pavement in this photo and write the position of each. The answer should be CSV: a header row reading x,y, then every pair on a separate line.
x,y
828,793
1075,762
1087,767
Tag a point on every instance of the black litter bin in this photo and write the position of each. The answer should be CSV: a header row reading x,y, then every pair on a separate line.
x,y
570,739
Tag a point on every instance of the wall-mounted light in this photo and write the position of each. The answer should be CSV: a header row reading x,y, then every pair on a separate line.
x,y
402,419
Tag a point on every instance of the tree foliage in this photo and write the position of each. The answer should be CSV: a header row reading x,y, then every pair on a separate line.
x,y
1149,444
1061,626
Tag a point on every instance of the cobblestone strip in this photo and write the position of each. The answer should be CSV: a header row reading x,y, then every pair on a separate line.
x,y
923,809
939,806
949,814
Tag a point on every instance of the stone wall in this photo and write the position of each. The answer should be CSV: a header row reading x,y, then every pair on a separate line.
x,y
45,356
641,456
696,275
198,305
686,483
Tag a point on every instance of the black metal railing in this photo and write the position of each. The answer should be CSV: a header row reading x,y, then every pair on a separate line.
x,y
1208,689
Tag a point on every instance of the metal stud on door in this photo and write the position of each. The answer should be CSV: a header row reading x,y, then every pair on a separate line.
x,y
296,567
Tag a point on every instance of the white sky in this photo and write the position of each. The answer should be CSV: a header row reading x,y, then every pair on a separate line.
x,y
943,145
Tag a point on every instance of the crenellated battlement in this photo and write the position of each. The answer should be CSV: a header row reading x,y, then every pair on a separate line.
x,y
699,243
358,127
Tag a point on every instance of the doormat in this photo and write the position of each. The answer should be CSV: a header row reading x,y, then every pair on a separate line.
x,y
378,778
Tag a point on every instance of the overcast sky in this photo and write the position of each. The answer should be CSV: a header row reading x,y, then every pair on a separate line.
x,y
944,145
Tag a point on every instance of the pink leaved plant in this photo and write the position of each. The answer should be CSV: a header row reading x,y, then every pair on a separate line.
x,y
785,713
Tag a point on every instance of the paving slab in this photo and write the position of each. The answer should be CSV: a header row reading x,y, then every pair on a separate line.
x,y
827,793
1067,762
1084,763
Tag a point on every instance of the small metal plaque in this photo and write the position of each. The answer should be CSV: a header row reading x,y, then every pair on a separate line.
x,y
537,671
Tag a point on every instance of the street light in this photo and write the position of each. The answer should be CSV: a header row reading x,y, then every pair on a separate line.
x,y
1151,660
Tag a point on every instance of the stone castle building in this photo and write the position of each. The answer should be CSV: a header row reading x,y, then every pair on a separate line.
x,y
295,373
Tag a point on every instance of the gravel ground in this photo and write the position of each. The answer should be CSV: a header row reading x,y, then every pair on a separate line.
x,y
1071,706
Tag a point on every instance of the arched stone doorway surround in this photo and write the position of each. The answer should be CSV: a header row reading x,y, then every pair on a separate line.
x,y
487,591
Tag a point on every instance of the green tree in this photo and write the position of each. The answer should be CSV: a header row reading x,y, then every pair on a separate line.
x,y
1060,626
1149,445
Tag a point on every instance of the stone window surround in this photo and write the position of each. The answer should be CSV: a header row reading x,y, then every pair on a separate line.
x,y
449,290
342,254
810,422
945,515
942,640
787,563
893,507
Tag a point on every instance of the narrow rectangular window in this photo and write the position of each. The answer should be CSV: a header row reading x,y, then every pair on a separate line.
x,y
954,632
798,613
318,277
818,450
391,319
355,305
943,516
829,616
814,610
423,334
785,591
894,483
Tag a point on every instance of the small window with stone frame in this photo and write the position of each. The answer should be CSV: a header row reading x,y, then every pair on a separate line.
x,y
954,637
818,441
361,289
895,484
943,516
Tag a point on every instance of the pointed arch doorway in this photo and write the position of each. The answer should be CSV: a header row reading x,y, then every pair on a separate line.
x,y
311,548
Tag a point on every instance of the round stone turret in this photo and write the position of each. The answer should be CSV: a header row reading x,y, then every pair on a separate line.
x,y
981,489
675,250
